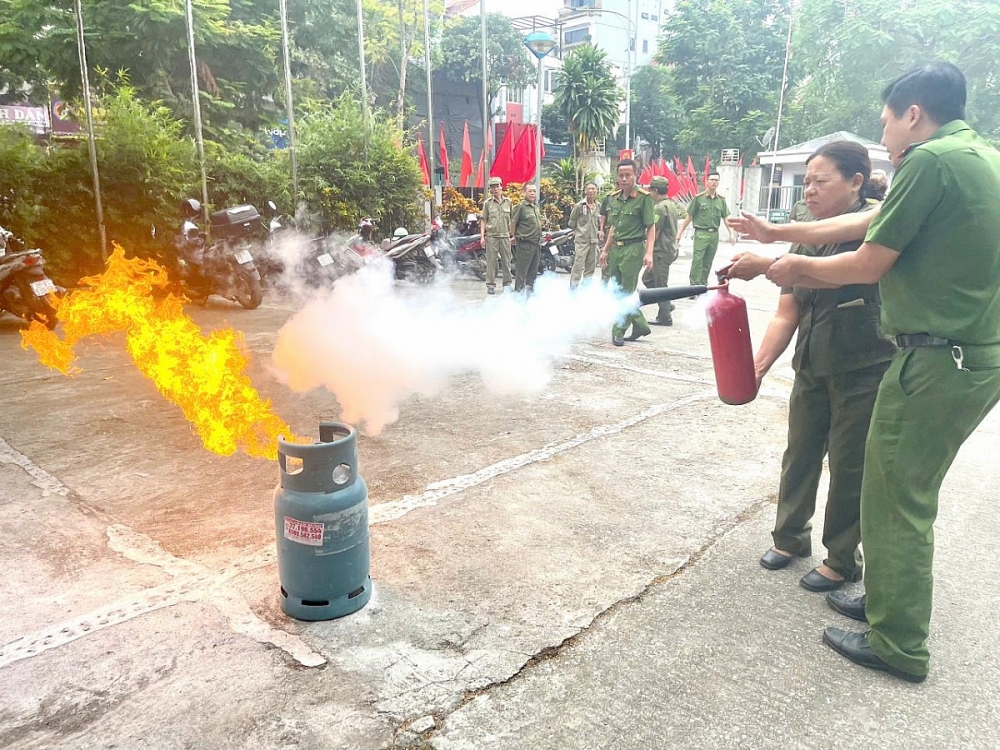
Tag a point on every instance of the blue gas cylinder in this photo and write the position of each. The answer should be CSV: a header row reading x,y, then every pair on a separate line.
x,y
321,524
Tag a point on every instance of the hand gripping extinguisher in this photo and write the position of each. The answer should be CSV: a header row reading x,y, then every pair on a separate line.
x,y
732,354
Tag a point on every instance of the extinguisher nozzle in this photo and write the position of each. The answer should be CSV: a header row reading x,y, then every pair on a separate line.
x,y
668,293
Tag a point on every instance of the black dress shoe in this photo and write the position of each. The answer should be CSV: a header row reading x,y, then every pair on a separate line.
x,y
847,605
854,646
776,561
637,334
617,340
816,581
658,322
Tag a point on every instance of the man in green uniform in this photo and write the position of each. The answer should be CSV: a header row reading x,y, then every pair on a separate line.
x,y
664,246
706,212
934,247
526,229
494,230
629,245
799,212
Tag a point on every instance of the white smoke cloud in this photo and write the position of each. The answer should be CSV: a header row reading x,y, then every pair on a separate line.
x,y
373,343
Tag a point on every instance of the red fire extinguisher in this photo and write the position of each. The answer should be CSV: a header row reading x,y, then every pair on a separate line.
x,y
732,355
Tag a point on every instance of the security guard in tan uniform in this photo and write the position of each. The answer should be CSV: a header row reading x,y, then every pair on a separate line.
x,y
494,229
664,246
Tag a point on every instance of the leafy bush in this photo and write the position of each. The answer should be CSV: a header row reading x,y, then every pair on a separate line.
x,y
345,179
455,207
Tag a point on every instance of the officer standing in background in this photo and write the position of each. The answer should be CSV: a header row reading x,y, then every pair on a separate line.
x,y
584,220
494,231
526,229
934,248
664,246
706,212
629,245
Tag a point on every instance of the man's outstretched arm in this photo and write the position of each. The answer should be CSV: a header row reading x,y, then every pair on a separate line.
x,y
843,228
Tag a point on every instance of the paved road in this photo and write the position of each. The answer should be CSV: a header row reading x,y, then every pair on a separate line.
x,y
575,570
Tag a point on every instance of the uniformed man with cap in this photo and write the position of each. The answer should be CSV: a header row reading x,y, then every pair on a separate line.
x,y
664,246
494,229
934,248
706,211
526,229
629,245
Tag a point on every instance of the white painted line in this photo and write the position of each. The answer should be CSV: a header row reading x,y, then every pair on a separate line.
x,y
391,511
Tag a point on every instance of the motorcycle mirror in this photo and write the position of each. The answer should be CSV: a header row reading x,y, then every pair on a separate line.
x,y
272,206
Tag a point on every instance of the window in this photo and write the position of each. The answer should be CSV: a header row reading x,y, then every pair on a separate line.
x,y
576,36
654,17
582,3
645,46
645,16
551,81
515,96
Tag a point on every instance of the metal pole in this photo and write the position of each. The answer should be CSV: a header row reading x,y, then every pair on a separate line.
x,y
781,104
289,104
430,105
195,101
538,133
486,93
628,80
361,53
91,142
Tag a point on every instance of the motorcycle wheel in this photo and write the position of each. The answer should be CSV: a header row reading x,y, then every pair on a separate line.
x,y
37,308
478,266
547,263
248,291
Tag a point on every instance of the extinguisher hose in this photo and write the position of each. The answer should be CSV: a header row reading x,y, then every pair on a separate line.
x,y
667,293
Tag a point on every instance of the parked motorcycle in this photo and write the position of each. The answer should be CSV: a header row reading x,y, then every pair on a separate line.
x,y
226,265
558,250
462,252
414,257
24,287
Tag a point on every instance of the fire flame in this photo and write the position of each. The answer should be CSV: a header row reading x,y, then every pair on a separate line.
x,y
203,375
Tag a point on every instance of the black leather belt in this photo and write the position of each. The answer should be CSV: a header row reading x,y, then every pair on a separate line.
x,y
703,229
910,340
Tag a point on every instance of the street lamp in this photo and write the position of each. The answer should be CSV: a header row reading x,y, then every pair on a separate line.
x,y
540,43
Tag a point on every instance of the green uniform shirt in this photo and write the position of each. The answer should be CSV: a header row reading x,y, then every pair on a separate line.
x,y
943,218
799,212
666,229
630,215
706,212
838,328
527,221
583,220
496,216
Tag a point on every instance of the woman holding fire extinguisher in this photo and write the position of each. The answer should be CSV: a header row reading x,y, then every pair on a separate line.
x,y
839,360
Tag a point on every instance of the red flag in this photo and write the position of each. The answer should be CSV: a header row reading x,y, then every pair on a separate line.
x,y
690,170
444,157
647,175
478,181
674,187
523,161
465,177
678,167
505,153
708,168
422,155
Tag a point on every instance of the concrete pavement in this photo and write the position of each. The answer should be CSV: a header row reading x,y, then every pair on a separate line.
x,y
575,570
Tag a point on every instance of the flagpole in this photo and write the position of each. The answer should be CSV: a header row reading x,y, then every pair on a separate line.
x,y
91,142
289,106
196,103
430,106
486,93
781,104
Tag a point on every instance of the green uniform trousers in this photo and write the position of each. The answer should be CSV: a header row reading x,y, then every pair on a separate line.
x,y
584,261
497,247
624,265
658,277
527,253
705,246
926,408
826,416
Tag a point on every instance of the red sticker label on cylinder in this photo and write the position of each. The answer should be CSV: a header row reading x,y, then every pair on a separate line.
x,y
304,532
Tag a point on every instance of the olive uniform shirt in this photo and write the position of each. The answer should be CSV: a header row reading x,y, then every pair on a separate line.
x,y
939,284
707,212
583,220
667,217
496,216
630,215
838,328
527,221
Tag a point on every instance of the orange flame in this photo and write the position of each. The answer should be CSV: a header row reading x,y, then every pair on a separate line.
x,y
203,375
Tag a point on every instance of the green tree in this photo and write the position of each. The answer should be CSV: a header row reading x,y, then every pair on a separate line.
x,y
507,60
588,96
845,53
656,114
727,59
554,124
